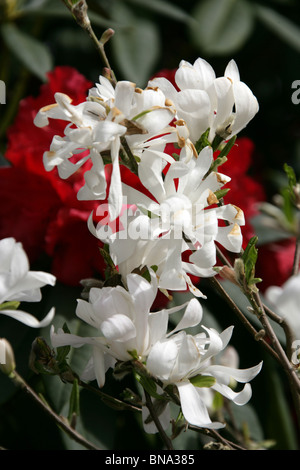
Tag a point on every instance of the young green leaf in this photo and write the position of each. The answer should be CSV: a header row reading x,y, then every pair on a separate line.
x,y
74,403
203,381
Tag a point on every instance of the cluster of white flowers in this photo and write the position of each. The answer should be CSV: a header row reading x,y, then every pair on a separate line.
x,y
179,211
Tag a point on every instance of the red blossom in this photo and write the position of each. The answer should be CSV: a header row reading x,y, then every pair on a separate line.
x,y
275,263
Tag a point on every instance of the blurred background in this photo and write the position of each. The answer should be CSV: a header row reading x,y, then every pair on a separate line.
x,y
151,37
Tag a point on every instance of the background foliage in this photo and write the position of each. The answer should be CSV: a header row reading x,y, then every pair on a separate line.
x,y
264,39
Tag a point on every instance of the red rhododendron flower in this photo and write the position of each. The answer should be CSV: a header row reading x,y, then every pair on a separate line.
x,y
275,263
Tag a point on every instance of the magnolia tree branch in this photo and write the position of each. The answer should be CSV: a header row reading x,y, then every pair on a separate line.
x,y
155,418
248,325
262,312
79,12
59,420
296,259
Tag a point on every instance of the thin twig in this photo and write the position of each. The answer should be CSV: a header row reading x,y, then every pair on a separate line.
x,y
296,259
130,160
115,402
79,11
275,341
215,435
154,416
20,382
285,326
242,317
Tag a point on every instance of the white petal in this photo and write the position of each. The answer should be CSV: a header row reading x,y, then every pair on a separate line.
x,y
123,95
232,71
66,339
240,375
239,398
205,257
158,325
230,237
162,358
246,106
29,319
115,196
192,316
99,365
142,291
194,408
118,328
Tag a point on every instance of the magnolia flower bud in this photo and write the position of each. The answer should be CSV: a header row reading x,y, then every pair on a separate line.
x,y
7,357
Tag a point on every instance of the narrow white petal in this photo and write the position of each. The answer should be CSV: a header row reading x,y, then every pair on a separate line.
x,y
240,375
99,365
239,398
194,408
29,319
115,197
192,316
67,339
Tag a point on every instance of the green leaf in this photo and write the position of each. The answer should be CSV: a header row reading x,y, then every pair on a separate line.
x,y
136,45
221,27
221,193
150,386
281,26
203,381
203,141
164,8
227,147
290,174
74,404
249,258
11,305
33,54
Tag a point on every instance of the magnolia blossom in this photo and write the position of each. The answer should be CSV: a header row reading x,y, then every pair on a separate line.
x,y
188,362
19,284
286,300
96,126
127,330
181,216
124,326
225,105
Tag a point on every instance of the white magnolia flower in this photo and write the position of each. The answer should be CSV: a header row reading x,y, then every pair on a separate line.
x,y
183,216
124,325
187,361
19,284
225,105
96,126
285,300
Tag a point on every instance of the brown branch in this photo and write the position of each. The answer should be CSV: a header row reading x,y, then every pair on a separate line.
x,y
62,422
